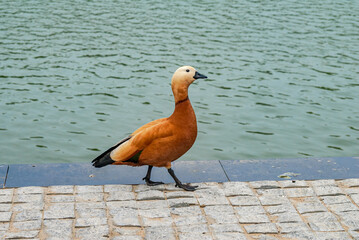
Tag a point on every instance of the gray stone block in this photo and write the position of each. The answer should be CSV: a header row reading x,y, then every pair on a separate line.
x,y
91,213
5,216
150,195
288,217
310,207
61,198
28,215
237,189
272,200
159,233
120,196
253,218
332,235
151,204
28,225
189,220
21,234
89,189
198,228
182,202
157,222
179,194
155,213
68,189
328,191
126,221
186,211
262,228
246,210
30,190
121,204
222,228
4,226
290,227
283,208
89,196
264,184
93,232
230,236
24,198
343,207
118,188
86,222
328,200
299,192
323,222
5,207
293,184
351,182
19,207
60,211
6,198
192,236
244,201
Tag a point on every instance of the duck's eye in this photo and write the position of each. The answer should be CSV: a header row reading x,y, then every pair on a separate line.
x,y
187,70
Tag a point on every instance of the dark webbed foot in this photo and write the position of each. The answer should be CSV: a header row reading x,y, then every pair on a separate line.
x,y
151,183
186,187
148,176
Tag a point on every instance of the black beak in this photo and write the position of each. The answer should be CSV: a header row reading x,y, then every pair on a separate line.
x,y
198,75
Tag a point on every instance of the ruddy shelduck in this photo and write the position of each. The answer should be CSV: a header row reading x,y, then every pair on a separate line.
x,y
162,141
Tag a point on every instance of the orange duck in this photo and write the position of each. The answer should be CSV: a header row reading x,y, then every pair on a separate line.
x,y
162,141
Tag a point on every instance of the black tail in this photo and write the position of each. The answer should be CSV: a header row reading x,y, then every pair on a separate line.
x,y
105,159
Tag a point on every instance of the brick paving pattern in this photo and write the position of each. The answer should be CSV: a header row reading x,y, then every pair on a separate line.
x,y
266,210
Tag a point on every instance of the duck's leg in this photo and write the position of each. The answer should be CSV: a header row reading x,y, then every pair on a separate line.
x,y
148,176
186,187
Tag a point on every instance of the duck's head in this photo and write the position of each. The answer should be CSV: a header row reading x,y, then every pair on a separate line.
x,y
185,75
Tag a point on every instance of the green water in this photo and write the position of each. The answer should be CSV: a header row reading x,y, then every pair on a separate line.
x,y
78,76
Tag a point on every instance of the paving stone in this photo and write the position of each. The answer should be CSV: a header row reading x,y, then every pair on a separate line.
x,y
28,215
6,191
186,211
93,232
123,211
89,189
310,207
121,204
188,220
61,198
299,192
4,226
323,182
222,228
23,198
5,216
343,207
274,192
328,200
154,213
288,217
264,184
68,189
282,208
28,225
6,198
197,236
273,200
157,222
182,202
19,207
351,182
328,191
5,207
354,234
151,204
253,218
126,221
237,189
323,222
118,188
351,191
60,211
265,228
159,233
21,234
292,227
61,229
127,238
206,198
90,213
179,194
351,220
293,184
89,196
244,201
300,235
355,198
150,195
246,210
90,205
86,222
200,228
131,231
30,190
230,236
120,196
332,235
143,187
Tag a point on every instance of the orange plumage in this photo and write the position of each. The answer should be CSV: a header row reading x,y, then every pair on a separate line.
x,y
161,141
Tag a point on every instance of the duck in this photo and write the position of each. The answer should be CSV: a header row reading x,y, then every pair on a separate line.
x,y
162,141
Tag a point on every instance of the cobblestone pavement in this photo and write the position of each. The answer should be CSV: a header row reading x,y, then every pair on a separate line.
x,y
321,209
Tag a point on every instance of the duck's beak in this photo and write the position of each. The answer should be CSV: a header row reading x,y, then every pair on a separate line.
x,y
197,75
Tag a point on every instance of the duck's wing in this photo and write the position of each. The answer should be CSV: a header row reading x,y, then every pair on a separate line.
x,y
130,150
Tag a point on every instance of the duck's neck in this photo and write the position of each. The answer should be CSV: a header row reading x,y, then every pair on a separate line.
x,y
183,112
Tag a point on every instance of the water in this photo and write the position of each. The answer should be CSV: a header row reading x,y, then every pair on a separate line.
x,y
77,76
